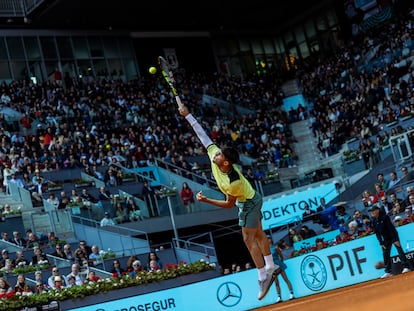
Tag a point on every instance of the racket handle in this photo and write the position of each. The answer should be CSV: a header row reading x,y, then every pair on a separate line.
x,y
178,100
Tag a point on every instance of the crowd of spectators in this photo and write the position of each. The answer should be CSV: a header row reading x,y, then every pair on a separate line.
x,y
361,88
80,261
90,124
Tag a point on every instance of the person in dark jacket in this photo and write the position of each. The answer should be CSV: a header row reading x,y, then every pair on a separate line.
x,y
387,236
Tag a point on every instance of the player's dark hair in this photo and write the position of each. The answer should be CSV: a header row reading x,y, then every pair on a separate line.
x,y
231,154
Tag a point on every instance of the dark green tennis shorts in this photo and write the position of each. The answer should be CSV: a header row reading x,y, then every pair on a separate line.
x,y
250,212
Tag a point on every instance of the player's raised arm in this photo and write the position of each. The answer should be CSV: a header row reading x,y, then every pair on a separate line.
x,y
201,134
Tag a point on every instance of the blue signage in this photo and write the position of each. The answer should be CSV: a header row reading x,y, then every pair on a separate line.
x,y
150,172
289,208
326,269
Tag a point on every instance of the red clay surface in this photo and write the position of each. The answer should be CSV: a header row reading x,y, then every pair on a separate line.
x,y
391,294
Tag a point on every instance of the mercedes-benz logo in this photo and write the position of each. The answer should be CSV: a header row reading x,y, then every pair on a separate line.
x,y
229,294
313,273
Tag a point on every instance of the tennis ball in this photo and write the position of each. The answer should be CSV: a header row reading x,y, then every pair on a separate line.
x,y
152,70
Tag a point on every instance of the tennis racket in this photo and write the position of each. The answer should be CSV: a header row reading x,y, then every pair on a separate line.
x,y
169,78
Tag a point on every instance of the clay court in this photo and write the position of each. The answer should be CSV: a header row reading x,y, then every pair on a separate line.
x,y
394,294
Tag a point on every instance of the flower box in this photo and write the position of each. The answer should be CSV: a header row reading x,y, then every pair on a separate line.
x,y
113,288
84,183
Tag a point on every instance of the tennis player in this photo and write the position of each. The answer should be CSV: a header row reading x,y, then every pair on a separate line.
x,y
238,191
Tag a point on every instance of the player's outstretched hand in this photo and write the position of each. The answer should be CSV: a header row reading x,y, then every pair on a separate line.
x,y
183,110
200,196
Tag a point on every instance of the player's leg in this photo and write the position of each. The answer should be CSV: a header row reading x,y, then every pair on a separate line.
x,y
288,283
279,296
249,238
265,279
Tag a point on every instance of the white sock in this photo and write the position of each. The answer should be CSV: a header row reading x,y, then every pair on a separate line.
x,y
269,261
262,274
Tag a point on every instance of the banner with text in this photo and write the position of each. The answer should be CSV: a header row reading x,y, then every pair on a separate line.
x,y
327,269
289,208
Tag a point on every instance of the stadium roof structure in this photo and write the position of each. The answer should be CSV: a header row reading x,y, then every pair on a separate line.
x,y
161,15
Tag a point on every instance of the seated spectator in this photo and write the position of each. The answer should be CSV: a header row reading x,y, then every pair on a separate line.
x,y
39,258
6,209
405,175
6,290
81,259
8,266
59,252
368,199
134,212
394,180
259,174
58,283
40,288
38,187
136,268
294,236
85,195
20,260
75,272
91,277
28,183
282,244
383,181
107,220
111,178
129,263
53,200
104,194
63,200
117,270
121,214
153,267
322,205
5,237
409,200
343,235
71,281
74,196
395,199
408,216
39,278
307,213
97,173
33,240
22,288
306,232
386,205
18,240
56,273
398,221
88,170
67,250
4,257
379,193
95,257
154,256
342,215
362,221
398,208
52,238
15,180
354,230
85,247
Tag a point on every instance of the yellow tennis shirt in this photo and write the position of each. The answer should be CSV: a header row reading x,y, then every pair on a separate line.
x,y
232,183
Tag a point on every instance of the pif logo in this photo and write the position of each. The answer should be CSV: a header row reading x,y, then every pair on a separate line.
x,y
313,273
